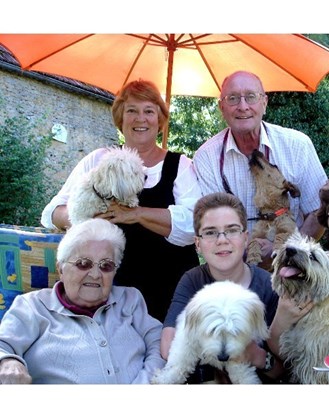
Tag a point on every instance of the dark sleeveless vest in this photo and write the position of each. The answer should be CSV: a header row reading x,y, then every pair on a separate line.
x,y
150,262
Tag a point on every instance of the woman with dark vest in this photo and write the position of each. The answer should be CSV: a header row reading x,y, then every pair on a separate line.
x,y
159,232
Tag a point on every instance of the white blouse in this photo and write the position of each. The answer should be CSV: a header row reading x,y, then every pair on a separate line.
x,y
186,192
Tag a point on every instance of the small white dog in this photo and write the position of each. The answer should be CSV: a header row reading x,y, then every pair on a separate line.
x,y
119,176
301,270
215,328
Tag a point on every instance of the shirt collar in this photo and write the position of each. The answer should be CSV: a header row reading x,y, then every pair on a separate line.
x,y
60,292
264,140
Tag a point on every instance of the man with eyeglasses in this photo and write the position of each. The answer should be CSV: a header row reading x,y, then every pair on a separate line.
x,y
222,163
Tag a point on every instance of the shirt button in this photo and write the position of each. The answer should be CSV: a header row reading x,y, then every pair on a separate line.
x,y
103,343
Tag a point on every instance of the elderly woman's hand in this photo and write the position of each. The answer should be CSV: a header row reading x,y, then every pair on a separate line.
x,y
13,371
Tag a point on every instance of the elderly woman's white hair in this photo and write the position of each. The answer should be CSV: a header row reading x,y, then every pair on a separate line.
x,y
92,229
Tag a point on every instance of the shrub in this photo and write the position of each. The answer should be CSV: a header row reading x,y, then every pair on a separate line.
x,y
23,187
307,112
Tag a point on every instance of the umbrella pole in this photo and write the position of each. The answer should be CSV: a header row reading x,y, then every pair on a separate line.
x,y
171,48
165,136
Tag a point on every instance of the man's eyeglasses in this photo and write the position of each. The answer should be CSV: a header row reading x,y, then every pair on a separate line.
x,y
105,265
213,234
235,99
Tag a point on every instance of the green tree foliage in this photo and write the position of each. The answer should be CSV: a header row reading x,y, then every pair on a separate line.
x,y
193,120
23,188
306,112
320,38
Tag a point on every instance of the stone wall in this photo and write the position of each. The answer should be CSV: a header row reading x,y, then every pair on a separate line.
x,y
87,120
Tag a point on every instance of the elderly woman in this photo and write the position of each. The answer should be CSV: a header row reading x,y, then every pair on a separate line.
x,y
83,330
161,226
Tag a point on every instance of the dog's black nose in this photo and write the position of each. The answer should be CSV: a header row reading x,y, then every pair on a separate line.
x,y
222,357
291,251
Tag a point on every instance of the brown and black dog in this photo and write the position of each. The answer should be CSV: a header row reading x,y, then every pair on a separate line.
x,y
275,221
322,213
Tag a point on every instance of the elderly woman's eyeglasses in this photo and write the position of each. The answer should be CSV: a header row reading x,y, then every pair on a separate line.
x,y
235,99
212,234
105,265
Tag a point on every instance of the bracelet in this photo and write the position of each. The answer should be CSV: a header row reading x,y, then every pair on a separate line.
x,y
269,362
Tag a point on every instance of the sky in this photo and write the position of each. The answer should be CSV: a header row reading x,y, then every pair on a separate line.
x,y
119,16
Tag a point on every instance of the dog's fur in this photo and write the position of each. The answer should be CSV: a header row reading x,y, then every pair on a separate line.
x,y
215,328
276,222
120,176
322,213
301,269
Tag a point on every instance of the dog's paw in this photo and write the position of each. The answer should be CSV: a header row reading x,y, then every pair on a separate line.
x,y
102,208
254,253
160,379
243,374
129,202
168,376
254,259
133,203
155,378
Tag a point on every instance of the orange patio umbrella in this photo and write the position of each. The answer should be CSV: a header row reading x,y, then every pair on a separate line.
x,y
179,64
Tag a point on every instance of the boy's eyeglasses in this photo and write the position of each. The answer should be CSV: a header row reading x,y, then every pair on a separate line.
x,y
213,234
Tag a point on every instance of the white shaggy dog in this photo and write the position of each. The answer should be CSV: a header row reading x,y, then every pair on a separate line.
x,y
301,269
215,328
119,176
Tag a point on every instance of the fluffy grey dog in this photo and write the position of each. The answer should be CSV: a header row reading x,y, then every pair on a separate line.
x,y
215,328
301,269
119,176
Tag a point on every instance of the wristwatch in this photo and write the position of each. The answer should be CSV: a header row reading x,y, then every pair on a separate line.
x,y
269,362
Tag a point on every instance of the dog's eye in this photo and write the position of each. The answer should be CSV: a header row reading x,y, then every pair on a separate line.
x,y
312,256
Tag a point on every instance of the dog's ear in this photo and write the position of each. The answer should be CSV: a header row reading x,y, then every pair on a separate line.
x,y
257,319
292,189
192,319
322,215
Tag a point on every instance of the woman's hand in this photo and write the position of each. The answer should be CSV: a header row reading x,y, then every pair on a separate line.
x,y
288,313
156,220
120,214
14,372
